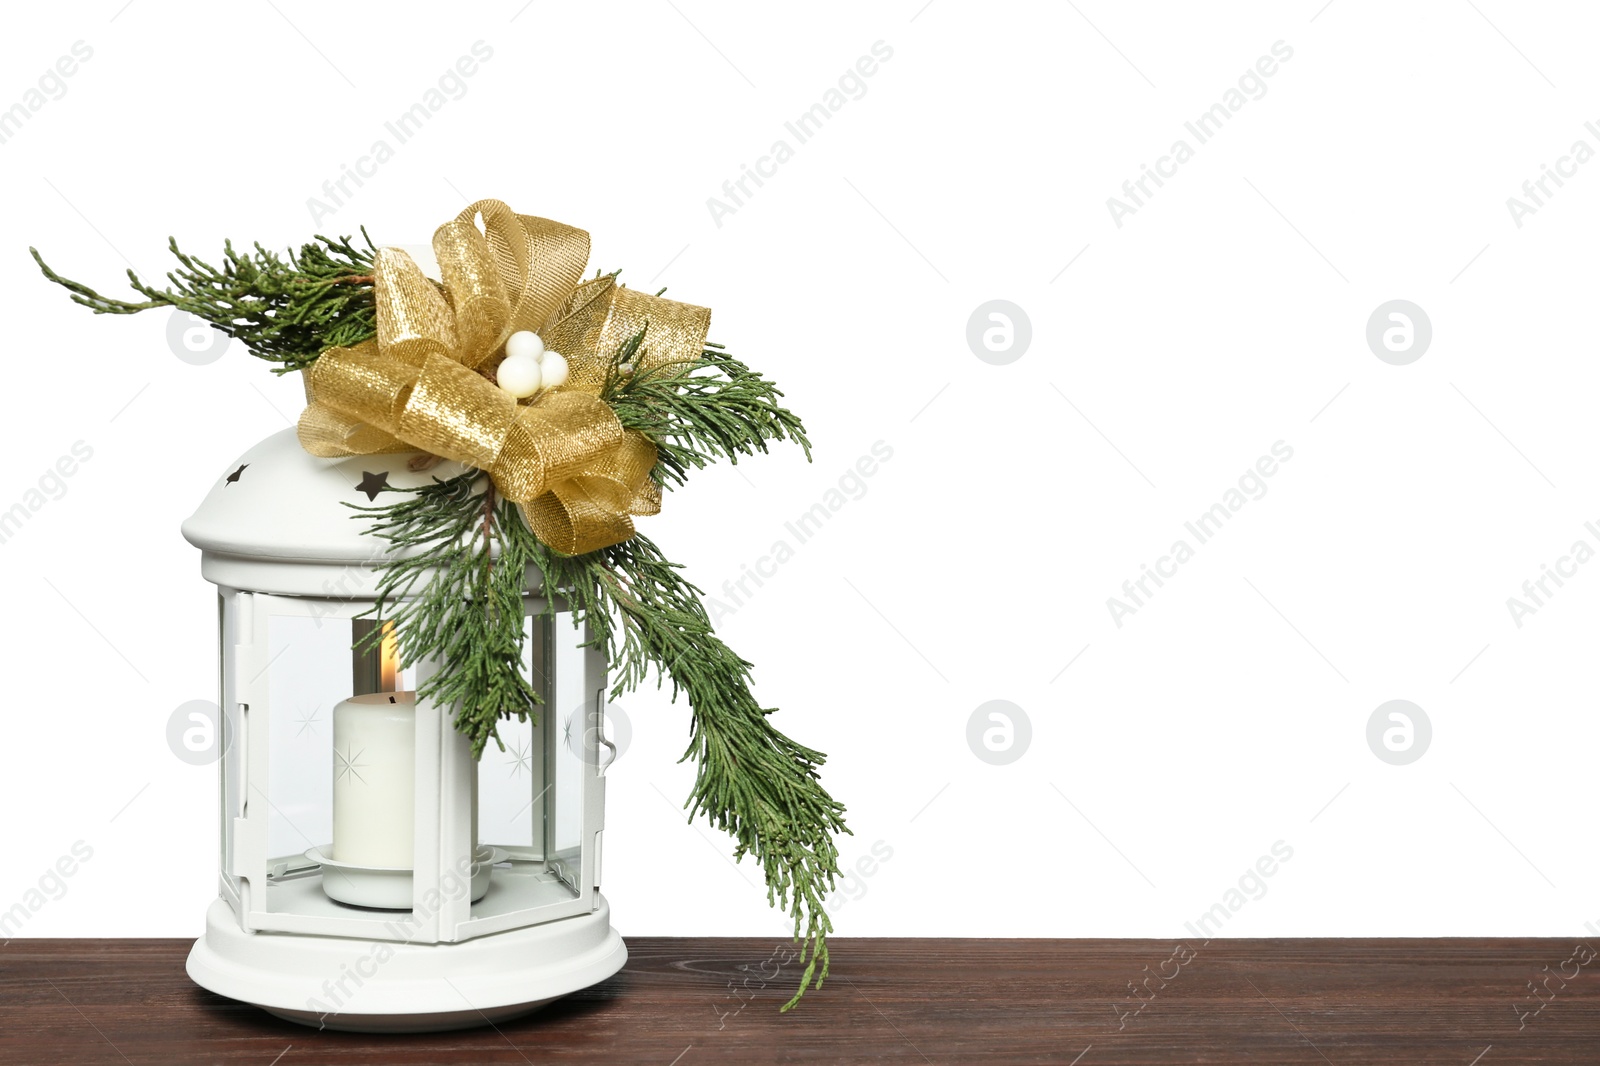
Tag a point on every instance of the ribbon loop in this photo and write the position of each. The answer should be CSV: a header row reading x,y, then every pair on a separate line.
x,y
456,413
602,315
477,296
570,520
414,321
541,261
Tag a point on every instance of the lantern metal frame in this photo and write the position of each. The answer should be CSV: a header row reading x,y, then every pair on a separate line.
x,y
273,937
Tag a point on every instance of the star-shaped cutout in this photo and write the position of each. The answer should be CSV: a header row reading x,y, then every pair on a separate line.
x,y
307,721
350,764
372,484
519,760
231,478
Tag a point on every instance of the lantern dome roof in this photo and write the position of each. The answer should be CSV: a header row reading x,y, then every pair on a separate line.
x,y
278,503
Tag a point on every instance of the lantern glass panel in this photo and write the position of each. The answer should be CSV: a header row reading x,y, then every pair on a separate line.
x,y
530,798
231,792
568,718
510,787
308,672
312,665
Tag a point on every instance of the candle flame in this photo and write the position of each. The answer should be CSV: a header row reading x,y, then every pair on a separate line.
x,y
389,652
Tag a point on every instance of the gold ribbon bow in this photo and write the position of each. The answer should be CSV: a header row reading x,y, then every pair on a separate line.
x,y
425,383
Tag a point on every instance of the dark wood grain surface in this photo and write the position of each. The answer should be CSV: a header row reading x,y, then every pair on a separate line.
x,y
683,1002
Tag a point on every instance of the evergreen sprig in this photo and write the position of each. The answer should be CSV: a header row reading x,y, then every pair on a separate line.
x,y
286,309
699,411
468,616
752,781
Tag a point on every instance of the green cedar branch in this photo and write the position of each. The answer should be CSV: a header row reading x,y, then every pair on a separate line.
x,y
286,309
752,781
468,614
700,410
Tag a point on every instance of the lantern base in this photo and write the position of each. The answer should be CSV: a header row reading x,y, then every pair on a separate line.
x,y
381,986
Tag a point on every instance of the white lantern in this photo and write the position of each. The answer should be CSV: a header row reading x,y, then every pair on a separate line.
x,y
374,876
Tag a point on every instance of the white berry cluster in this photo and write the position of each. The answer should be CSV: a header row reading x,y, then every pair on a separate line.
x,y
527,367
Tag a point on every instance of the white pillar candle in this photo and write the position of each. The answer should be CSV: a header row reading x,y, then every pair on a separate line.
x,y
374,779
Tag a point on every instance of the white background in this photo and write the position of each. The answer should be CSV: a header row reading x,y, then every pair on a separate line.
x,y
1227,314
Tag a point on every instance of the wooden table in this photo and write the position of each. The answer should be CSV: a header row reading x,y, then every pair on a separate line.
x,y
693,1001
